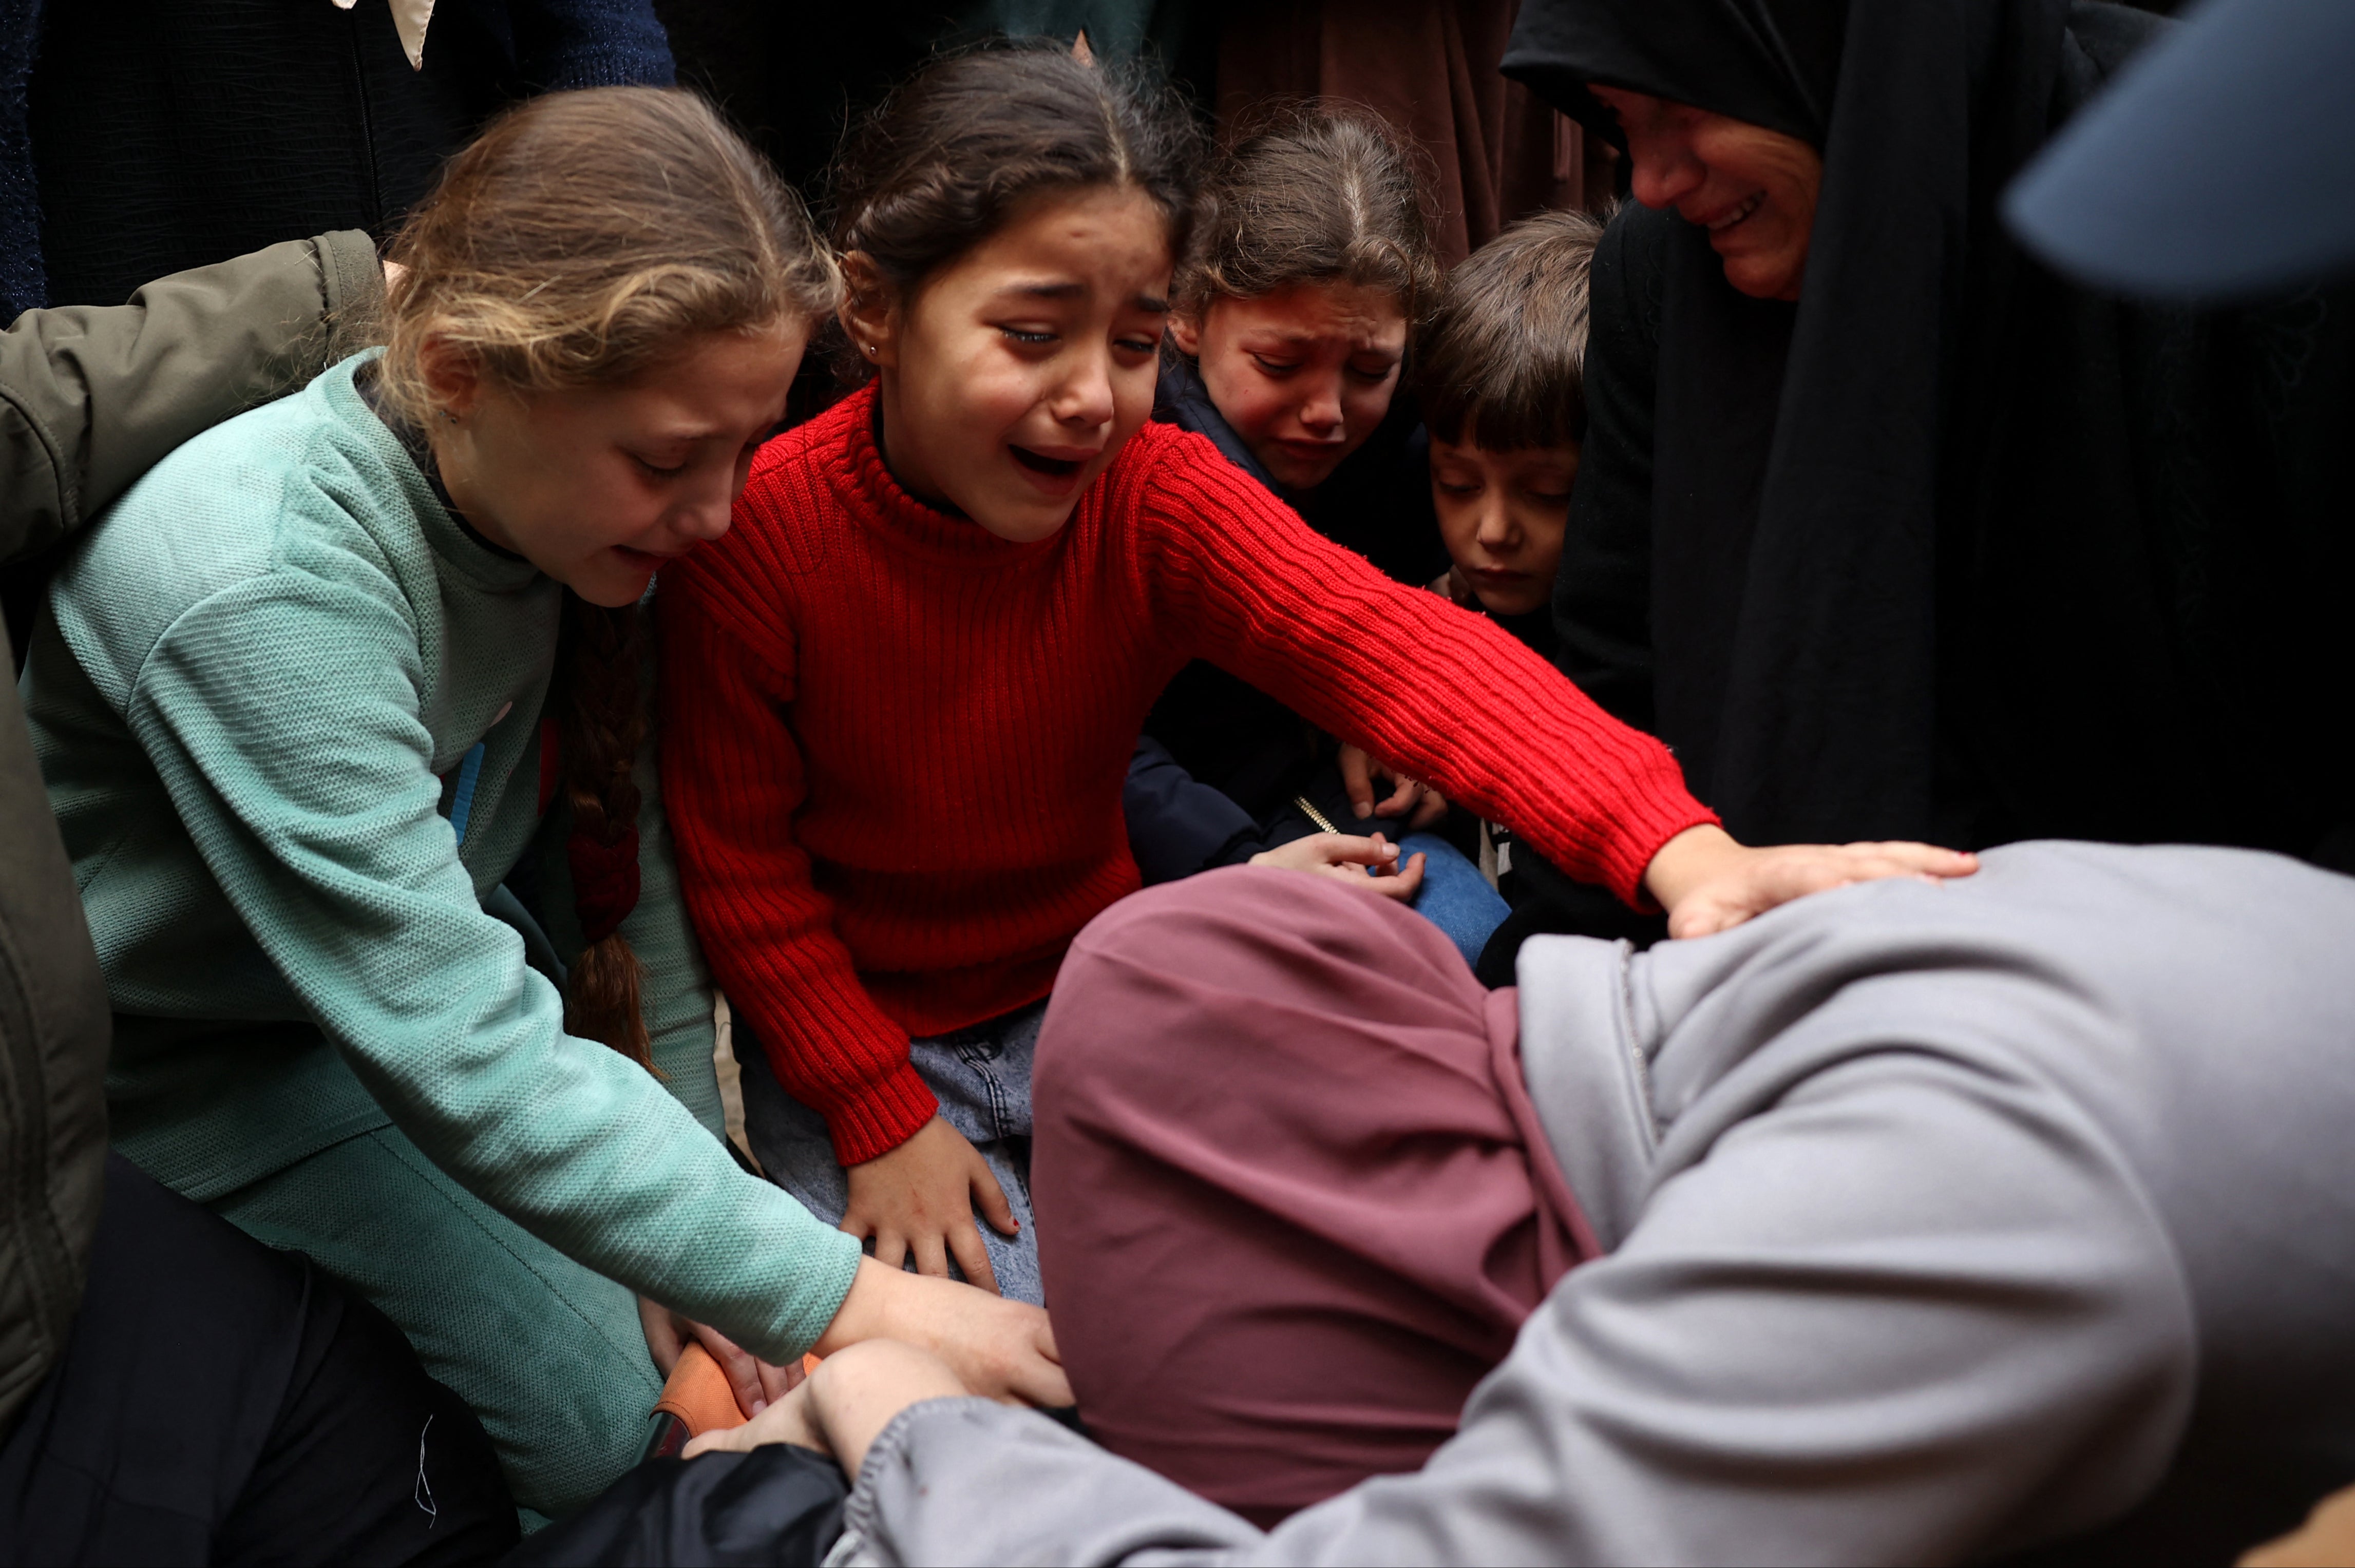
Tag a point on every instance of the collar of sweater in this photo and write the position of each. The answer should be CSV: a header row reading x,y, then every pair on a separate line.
x,y
864,484
409,19
469,555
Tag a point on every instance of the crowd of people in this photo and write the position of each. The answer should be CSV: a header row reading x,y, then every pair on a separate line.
x,y
1677,893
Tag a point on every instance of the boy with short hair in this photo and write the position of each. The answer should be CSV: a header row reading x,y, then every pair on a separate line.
x,y
1501,370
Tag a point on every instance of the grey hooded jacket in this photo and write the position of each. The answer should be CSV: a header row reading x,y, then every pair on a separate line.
x,y
90,398
1945,1222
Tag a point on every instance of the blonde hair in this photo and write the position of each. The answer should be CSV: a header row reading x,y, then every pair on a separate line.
x,y
586,235
583,238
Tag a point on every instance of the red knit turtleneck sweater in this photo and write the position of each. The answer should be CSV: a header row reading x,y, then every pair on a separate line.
x,y
893,744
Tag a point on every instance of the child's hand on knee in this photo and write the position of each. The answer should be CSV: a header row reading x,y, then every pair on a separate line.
x,y
919,1199
1358,771
1368,863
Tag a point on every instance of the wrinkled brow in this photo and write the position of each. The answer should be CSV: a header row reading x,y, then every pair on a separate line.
x,y
1152,304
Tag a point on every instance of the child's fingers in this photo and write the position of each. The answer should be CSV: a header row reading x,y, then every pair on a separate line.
x,y
890,1247
1328,854
931,1255
743,1372
1038,1379
777,1382
1358,778
785,1421
965,1242
990,1198
1402,797
1392,880
1433,808
1916,859
1345,849
1404,885
663,1342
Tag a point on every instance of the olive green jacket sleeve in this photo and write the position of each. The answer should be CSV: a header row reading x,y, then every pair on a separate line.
x,y
88,397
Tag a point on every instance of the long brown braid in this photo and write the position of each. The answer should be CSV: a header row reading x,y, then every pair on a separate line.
x,y
602,726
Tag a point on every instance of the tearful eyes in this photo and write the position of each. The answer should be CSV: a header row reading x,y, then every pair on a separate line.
x,y
1371,376
1029,338
744,454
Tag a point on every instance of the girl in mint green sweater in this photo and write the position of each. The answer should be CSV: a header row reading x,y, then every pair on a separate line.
x,y
335,674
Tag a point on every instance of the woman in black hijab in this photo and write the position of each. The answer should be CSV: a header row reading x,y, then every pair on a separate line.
x,y
1934,544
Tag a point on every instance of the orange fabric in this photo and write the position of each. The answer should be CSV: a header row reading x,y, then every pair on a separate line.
x,y
697,1393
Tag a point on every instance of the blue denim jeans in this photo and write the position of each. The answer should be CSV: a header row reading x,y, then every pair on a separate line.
x,y
1454,896
981,1076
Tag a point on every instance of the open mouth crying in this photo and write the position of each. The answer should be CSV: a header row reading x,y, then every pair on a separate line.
x,y
1054,467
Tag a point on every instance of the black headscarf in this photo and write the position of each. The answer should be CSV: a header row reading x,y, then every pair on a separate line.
x,y
1811,712
1951,548
1771,62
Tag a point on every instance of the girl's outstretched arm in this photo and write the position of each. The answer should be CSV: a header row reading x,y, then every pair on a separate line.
x,y
1235,577
1244,584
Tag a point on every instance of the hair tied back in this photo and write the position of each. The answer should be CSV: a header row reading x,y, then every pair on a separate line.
x,y
581,238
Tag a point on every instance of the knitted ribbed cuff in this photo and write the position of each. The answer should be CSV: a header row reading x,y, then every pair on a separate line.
x,y
1651,813
881,1117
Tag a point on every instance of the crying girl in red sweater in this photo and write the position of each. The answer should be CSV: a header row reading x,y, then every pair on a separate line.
x,y
900,696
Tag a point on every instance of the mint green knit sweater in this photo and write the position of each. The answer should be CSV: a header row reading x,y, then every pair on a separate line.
x,y
251,704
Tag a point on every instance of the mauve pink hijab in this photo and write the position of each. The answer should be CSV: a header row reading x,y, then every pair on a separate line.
x,y
1293,1200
